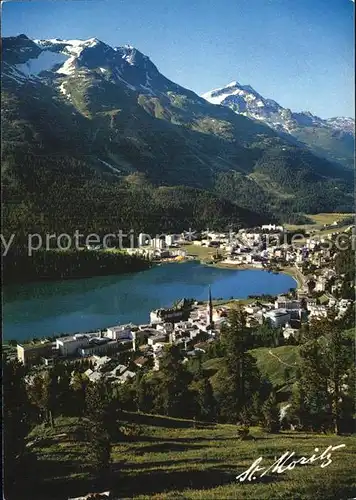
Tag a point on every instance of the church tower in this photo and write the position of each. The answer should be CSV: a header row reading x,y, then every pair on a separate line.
x,y
210,310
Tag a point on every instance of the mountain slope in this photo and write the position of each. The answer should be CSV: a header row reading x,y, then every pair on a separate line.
x,y
332,138
97,122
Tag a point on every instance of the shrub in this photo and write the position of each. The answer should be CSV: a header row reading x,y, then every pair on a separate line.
x,y
243,432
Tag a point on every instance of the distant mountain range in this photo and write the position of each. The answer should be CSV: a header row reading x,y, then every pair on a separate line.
x,y
95,136
332,138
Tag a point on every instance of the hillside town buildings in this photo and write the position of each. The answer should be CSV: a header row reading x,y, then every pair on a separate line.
x,y
193,326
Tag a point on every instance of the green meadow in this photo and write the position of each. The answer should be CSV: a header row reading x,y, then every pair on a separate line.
x,y
173,459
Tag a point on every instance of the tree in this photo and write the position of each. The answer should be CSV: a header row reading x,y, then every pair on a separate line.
x,y
99,405
99,427
297,411
337,361
270,413
322,392
239,378
311,285
256,408
314,384
16,421
36,396
144,393
174,396
49,395
79,385
205,404
62,388
99,449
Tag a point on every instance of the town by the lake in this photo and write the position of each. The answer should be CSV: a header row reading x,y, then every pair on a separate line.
x,y
312,289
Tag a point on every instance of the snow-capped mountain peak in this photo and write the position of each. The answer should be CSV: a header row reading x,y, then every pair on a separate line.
x,y
235,95
342,123
243,99
233,84
55,60
69,47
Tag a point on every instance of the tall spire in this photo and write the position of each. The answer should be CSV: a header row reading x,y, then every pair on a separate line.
x,y
210,309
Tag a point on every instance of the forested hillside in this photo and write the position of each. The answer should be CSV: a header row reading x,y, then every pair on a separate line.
x,y
73,142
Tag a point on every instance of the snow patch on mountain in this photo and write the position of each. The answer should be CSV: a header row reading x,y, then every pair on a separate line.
x,y
68,50
342,123
114,169
72,47
45,61
68,67
63,90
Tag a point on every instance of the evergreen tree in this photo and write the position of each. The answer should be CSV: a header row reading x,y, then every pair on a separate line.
x,y
78,386
336,360
144,393
49,395
255,408
270,413
239,378
99,427
99,448
205,404
314,384
174,395
16,422
322,393
36,397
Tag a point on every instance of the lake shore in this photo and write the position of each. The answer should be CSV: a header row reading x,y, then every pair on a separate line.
x,y
289,270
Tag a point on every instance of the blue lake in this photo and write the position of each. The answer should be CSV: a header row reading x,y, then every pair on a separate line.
x,y
40,309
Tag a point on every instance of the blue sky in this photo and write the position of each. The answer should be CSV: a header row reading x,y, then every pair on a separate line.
x,y
297,52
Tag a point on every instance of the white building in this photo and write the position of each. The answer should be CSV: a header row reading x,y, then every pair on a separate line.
x,y
140,336
320,285
158,243
165,327
68,346
272,227
278,317
317,312
170,239
285,303
164,315
157,339
143,239
299,258
100,361
99,346
120,332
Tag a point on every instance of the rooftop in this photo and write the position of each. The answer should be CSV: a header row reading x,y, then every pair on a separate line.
x,y
36,345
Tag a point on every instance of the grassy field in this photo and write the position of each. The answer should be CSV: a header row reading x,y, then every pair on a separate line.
x,y
204,253
319,220
279,365
174,460
232,302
